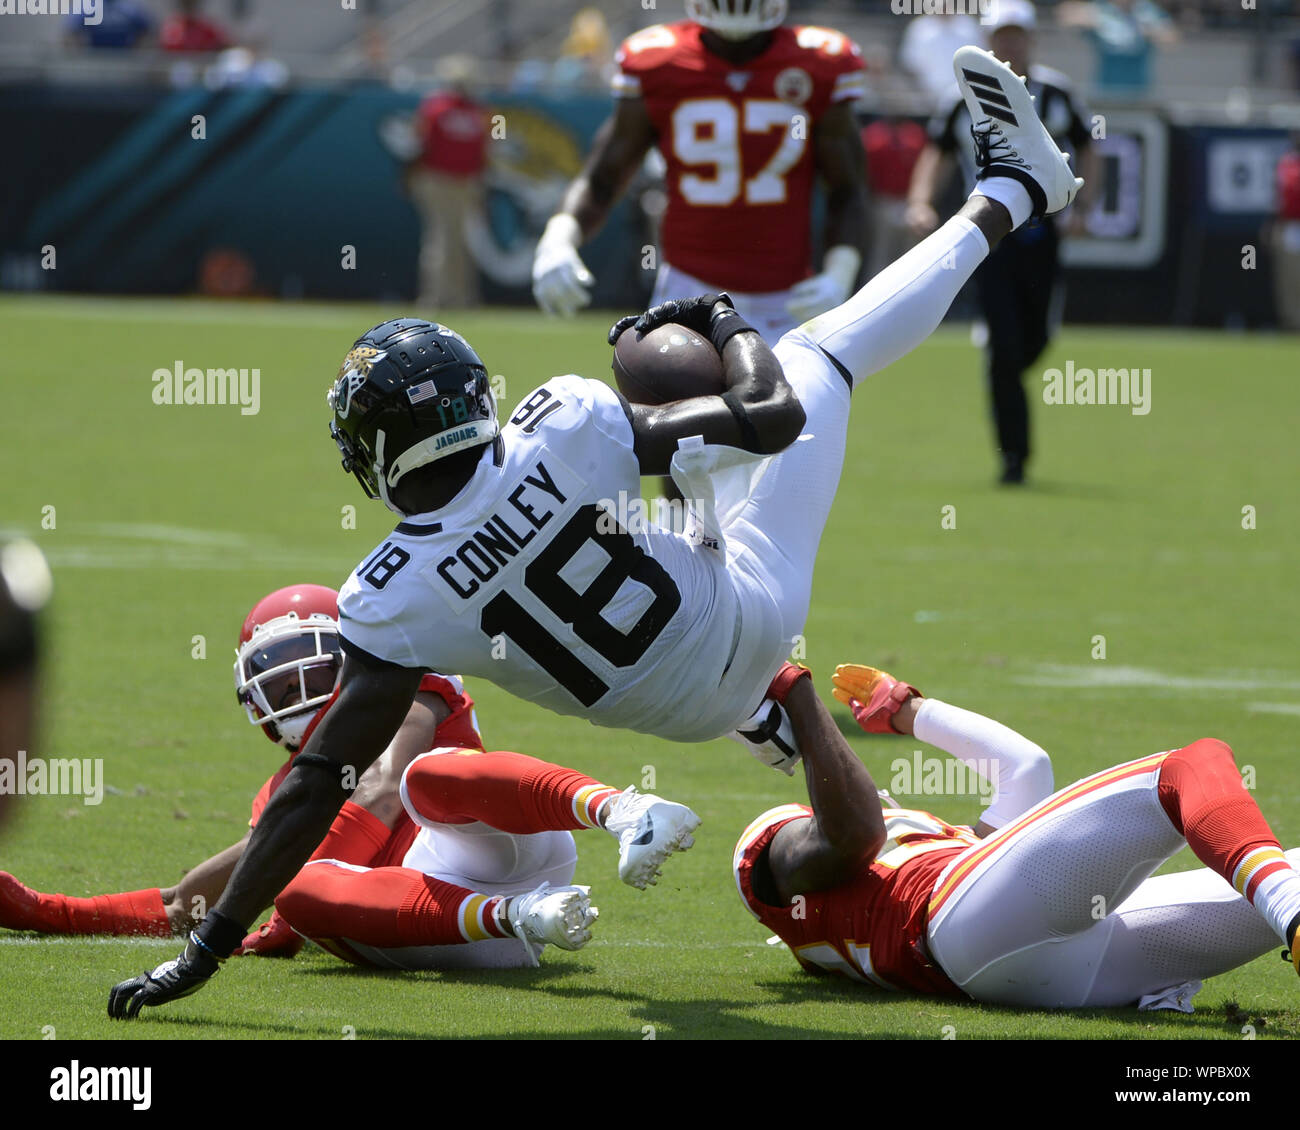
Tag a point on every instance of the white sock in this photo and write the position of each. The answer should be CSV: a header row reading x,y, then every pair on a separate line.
x,y
904,304
1019,770
1276,896
1011,194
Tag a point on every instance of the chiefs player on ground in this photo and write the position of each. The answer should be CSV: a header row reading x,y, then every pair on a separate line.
x,y
746,113
435,820
1047,902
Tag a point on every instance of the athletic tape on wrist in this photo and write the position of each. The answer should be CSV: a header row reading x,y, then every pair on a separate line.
x,y
726,324
218,934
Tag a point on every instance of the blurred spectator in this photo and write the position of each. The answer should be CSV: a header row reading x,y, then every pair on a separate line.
x,y
247,67
1123,33
892,146
186,31
927,49
587,55
446,184
123,24
1286,238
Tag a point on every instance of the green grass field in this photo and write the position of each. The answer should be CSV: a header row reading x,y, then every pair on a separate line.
x,y
169,521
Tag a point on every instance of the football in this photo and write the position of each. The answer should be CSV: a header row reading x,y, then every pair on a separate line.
x,y
669,363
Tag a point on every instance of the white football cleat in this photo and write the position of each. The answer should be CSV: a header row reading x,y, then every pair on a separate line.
x,y
1010,141
769,736
648,830
559,916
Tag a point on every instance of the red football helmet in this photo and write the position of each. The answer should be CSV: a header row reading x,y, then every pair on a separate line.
x,y
288,660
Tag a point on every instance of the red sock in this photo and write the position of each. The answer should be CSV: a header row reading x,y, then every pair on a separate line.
x,y
508,791
128,913
356,836
387,907
1202,793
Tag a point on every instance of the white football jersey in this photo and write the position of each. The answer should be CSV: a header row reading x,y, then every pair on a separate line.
x,y
526,578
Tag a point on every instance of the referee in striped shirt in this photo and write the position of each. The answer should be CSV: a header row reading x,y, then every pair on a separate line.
x,y
1018,285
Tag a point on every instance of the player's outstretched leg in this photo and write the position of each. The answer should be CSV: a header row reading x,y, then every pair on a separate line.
x,y
124,914
349,910
558,916
1203,795
1162,941
648,831
780,517
1000,916
1019,166
523,795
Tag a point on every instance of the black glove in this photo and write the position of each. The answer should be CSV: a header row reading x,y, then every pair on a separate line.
x,y
172,980
693,313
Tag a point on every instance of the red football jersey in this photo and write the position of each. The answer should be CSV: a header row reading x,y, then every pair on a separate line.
x,y
458,729
454,132
1288,187
873,928
738,143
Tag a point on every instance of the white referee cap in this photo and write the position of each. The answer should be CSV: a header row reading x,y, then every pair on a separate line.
x,y
1009,13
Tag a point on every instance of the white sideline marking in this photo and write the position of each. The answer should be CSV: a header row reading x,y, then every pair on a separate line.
x,y
1274,707
1103,675
176,535
138,545
192,557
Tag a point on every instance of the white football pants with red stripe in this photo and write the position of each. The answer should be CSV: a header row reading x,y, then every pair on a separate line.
x,y
1058,910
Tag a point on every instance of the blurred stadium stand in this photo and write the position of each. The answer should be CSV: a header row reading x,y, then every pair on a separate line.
x,y
133,207
1225,50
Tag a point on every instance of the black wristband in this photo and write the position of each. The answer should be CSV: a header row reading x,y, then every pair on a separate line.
x,y
219,935
320,761
748,436
726,324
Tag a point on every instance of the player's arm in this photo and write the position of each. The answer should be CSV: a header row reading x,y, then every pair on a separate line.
x,y
187,902
617,152
374,698
378,792
758,411
929,171
561,280
1019,771
842,164
847,828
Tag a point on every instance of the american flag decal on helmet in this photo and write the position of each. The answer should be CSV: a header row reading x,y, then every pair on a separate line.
x,y
417,393
989,91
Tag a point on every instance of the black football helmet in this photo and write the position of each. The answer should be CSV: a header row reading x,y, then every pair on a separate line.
x,y
407,393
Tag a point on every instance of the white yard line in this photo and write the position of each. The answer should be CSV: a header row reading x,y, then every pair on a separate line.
x,y
1106,675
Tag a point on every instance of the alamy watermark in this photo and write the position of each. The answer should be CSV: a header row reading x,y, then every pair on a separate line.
x,y
944,776
635,515
1098,386
90,11
179,385
985,9
57,776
